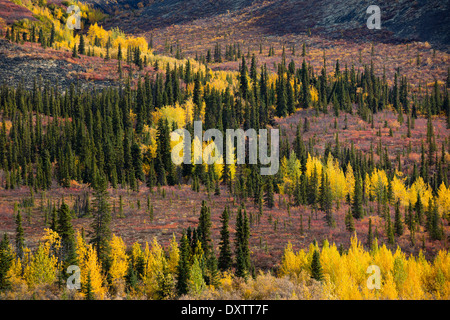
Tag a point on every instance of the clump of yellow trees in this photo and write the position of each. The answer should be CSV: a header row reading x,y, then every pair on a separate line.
x,y
342,183
345,273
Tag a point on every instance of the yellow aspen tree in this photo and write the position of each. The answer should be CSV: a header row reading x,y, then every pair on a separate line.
x,y
413,286
154,262
384,259
331,261
14,273
399,190
93,267
89,264
388,290
357,261
399,270
289,263
378,183
443,200
311,163
174,255
350,181
336,178
423,189
42,267
136,254
283,187
441,275
119,259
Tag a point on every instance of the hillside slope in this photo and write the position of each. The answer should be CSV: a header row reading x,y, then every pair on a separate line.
x,y
404,19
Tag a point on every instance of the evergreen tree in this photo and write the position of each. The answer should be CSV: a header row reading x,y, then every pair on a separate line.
x,y
357,204
82,46
419,210
306,94
20,236
398,223
212,272
316,266
325,199
74,51
436,229
101,232
241,243
225,259
244,85
66,232
204,227
183,266
269,193
88,290
389,228
369,233
165,283
6,258
349,222
52,35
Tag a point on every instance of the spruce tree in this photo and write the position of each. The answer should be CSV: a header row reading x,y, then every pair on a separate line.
x,y
88,290
52,35
357,209
389,228
241,243
243,81
370,234
20,237
316,266
101,232
66,232
204,227
398,223
225,259
436,229
74,51
269,193
419,210
6,259
182,273
82,46
349,222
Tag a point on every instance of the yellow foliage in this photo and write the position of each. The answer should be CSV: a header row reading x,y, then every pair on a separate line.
x,y
14,273
89,265
336,179
171,114
388,290
377,183
423,189
399,190
313,163
443,201
350,181
41,266
226,281
345,275
154,260
314,94
98,32
119,259
174,255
